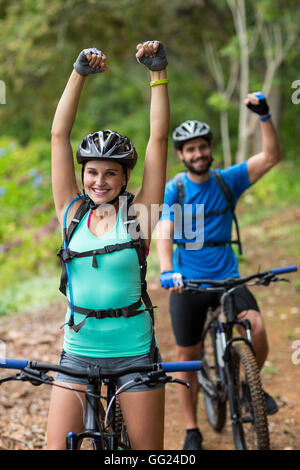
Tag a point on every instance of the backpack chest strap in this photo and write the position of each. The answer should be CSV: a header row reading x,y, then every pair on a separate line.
x,y
67,255
128,311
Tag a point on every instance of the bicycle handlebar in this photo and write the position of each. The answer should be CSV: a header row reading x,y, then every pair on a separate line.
x,y
241,280
286,269
20,364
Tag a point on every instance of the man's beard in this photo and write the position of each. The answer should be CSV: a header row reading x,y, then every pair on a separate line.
x,y
204,170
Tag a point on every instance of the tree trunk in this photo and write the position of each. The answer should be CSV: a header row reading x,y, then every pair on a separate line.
x,y
239,17
225,139
244,80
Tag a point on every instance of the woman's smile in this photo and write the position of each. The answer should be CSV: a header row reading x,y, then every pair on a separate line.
x,y
100,192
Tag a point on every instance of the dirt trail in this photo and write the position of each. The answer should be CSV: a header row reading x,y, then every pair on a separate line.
x,y
23,408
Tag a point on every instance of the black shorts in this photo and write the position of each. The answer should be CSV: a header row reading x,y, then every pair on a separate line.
x,y
188,312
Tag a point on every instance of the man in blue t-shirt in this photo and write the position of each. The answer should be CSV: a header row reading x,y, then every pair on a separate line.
x,y
204,251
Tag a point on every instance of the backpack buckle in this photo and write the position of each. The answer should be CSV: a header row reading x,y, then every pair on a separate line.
x,y
137,243
65,255
111,248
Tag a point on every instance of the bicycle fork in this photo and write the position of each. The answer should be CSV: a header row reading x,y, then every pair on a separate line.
x,y
91,429
223,347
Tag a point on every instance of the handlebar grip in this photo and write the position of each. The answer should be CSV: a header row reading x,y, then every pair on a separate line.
x,y
286,269
13,363
181,366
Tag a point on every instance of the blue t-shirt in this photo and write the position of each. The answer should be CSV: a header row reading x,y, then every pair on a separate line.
x,y
207,262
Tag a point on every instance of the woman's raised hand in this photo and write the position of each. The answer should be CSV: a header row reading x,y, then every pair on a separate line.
x,y
90,61
152,55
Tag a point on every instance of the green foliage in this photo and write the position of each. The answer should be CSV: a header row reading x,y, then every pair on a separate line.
x,y
40,41
218,101
29,235
278,189
31,294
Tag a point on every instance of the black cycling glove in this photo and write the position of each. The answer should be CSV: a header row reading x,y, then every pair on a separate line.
x,y
159,62
82,63
261,108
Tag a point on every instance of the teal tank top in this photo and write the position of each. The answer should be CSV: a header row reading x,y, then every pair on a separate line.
x,y
115,283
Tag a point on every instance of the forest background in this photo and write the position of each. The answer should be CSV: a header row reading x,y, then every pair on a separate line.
x,y
218,51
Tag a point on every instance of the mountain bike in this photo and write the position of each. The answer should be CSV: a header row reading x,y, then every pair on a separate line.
x,y
229,370
103,425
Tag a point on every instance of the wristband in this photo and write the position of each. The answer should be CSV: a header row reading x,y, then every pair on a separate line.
x,y
265,118
163,81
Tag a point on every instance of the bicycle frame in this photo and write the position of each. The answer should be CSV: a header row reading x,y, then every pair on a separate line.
x,y
229,319
223,322
236,377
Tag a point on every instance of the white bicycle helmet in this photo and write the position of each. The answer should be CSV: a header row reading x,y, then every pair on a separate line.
x,y
190,130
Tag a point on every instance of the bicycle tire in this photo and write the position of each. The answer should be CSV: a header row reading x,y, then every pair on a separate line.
x,y
250,431
120,429
212,383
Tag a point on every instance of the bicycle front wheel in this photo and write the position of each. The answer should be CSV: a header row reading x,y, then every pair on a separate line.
x,y
250,428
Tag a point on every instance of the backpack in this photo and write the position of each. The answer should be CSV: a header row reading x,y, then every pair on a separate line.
x,y
227,194
66,255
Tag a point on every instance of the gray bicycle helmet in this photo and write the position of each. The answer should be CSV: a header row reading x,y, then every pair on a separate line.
x,y
107,145
191,130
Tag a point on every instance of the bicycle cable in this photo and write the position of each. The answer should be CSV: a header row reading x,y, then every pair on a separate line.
x,y
118,391
79,398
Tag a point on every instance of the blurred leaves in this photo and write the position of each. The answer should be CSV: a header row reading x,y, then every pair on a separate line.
x,y
39,42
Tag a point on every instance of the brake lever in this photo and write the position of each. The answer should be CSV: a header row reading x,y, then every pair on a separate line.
x,y
11,377
152,380
283,279
266,280
35,377
180,382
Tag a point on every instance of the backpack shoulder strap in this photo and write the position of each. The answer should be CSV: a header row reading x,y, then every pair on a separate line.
x,y
134,230
226,191
79,214
178,180
67,234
